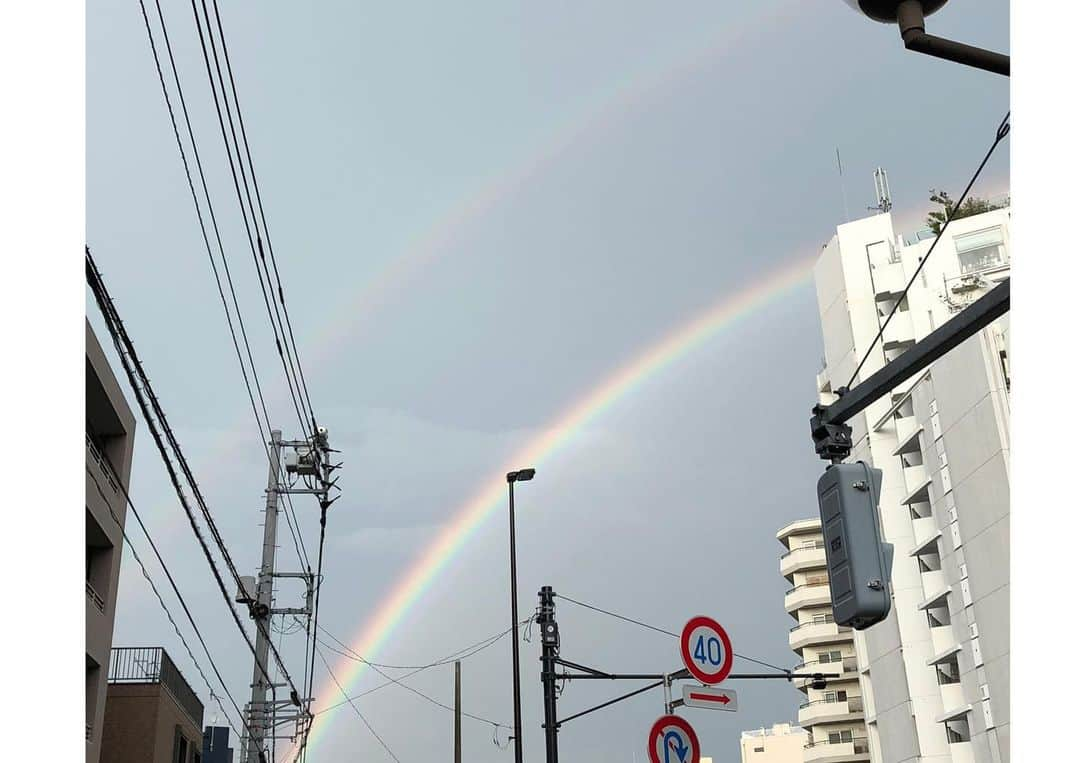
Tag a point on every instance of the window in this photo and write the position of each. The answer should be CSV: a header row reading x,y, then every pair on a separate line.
x,y
833,656
981,250
759,749
838,737
821,619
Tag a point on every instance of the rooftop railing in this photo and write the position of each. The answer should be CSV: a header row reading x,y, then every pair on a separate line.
x,y
152,665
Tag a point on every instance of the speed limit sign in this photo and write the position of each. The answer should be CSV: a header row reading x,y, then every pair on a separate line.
x,y
706,650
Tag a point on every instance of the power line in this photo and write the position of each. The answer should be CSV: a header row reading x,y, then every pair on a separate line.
x,y
354,707
254,240
258,199
213,220
405,686
1002,131
143,390
661,630
128,544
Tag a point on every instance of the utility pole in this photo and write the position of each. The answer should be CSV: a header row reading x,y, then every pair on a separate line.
x,y
258,715
549,651
308,460
457,711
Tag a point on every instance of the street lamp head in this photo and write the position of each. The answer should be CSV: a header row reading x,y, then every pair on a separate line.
x,y
521,475
887,11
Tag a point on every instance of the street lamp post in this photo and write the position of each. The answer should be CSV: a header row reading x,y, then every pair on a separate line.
x,y
522,475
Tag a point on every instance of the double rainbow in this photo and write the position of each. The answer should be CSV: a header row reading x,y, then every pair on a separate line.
x,y
467,519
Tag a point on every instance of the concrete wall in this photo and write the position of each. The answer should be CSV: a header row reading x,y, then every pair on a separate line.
x,y
110,436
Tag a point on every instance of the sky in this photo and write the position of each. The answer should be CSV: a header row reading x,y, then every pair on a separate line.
x,y
481,212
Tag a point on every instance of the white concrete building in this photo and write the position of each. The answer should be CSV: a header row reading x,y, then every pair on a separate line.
x,y
935,674
835,731
783,743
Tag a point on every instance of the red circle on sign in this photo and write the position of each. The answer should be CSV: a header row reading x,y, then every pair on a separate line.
x,y
673,720
684,643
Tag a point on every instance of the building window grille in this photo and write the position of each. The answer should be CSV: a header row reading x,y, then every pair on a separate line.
x,y
981,250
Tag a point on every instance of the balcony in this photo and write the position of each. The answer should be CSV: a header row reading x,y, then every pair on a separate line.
x,y
942,639
830,711
926,531
889,281
803,558
807,595
824,751
846,669
805,634
899,334
917,482
93,596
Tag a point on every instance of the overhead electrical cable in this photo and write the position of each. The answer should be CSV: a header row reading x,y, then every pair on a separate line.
x,y
254,239
262,212
1002,131
661,630
355,708
407,687
183,604
143,391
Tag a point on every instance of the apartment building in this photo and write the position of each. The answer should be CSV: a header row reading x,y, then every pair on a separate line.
x,y
832,717
935,673
783,743
110,429
152,714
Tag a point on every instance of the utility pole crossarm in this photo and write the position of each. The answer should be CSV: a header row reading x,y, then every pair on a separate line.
x,y
832,436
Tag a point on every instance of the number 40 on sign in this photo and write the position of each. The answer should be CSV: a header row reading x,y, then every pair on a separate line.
x,y
706,650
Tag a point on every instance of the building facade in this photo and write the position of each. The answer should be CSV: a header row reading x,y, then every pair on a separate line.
x,y
935,673
215,745
833,717
152,715
783,743
110,429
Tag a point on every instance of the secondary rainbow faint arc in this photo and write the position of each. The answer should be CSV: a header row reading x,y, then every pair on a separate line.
x,y
674,346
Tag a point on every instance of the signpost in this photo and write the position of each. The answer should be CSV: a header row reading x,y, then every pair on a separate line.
x,y
706,650
672,740
710,698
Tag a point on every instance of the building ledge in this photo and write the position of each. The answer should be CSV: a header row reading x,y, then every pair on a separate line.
x,y
922,546
921,493
904,445
937,600
952,715
942,656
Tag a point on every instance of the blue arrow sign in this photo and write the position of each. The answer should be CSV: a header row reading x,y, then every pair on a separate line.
x,y
673,741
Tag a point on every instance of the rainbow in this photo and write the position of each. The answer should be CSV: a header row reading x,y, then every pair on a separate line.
x,y
471,515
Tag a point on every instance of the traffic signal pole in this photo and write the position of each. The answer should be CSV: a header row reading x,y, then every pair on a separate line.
x,y
828,427
549,652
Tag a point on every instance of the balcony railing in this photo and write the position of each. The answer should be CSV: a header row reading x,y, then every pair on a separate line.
x,y
846,664
853,704
828,621
92,449
816,546
94,596
814,584
861,746
151,665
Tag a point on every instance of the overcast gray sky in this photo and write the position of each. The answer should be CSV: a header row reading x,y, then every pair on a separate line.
x,y
480,212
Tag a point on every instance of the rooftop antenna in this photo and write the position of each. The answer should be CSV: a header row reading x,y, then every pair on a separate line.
x,y
881,191
843,193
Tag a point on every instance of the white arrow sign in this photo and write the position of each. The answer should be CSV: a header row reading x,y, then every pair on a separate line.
x,y
710,697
